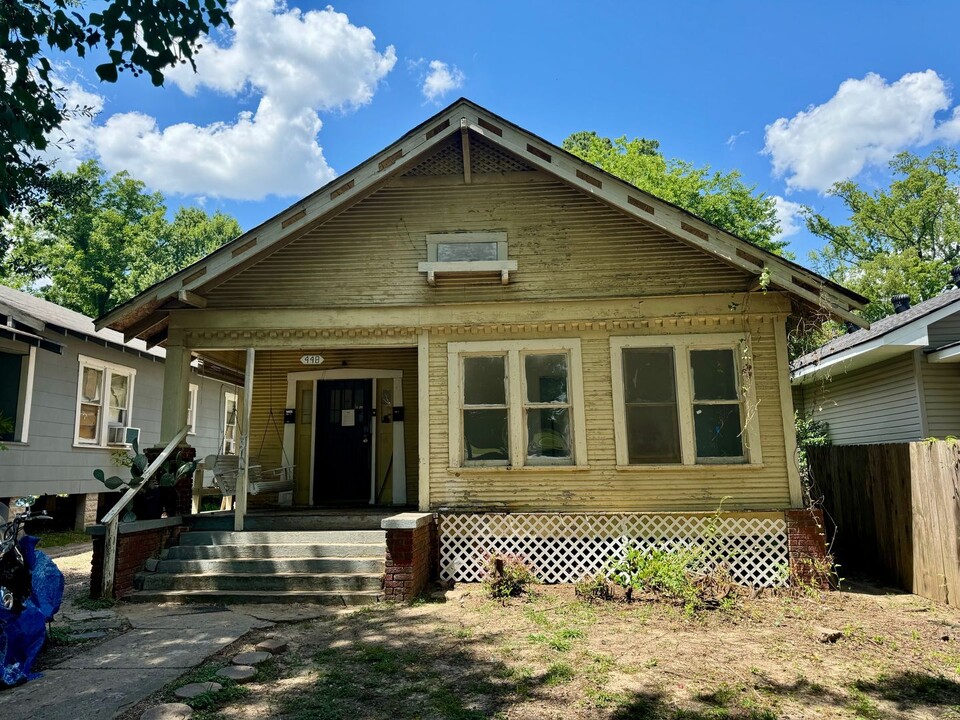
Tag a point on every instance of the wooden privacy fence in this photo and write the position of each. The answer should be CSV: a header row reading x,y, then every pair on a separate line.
x,y
897,512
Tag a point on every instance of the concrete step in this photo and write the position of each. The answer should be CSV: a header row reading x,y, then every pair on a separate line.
x,y
297,550
236,597
283,537
271,565
272,582
293,521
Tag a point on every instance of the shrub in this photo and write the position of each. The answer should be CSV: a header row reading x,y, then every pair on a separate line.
x,y
662,571
507,576
593,588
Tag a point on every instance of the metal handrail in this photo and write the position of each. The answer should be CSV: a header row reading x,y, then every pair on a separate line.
x,y
112,518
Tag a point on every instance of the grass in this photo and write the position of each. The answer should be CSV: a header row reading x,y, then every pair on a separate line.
x,y
59,636
61,539
87,603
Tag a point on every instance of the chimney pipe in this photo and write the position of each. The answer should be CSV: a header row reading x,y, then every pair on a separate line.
x,y
955,275
901,303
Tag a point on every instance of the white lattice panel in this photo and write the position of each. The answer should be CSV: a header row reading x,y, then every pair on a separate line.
x,y
565,547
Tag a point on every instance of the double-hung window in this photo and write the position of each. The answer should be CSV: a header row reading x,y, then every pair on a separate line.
x,y
192,399
516,403
229,423
684,400
104,402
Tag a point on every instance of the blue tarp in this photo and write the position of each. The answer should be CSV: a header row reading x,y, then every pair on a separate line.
x,y
22,634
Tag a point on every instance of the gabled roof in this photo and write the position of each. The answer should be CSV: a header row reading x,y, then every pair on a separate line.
x,y
45,318
146,315
885,338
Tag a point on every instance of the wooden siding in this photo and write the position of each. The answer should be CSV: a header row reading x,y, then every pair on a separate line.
x,y
566,244
270,397
877,404
941,395
602,487
49,463
946,331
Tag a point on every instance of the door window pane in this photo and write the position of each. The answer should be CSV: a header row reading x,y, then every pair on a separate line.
x,y
717,428
648,375
546,378
714,375
485,435
548,433
484,381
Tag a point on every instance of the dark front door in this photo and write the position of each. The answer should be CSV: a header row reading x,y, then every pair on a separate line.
x,y
341,461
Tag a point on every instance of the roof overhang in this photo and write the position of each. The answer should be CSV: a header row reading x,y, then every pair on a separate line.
x,y
145,316
31,339
947,354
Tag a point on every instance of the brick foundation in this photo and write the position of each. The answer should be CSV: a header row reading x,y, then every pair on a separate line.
x,y
808,547
411,561
133,551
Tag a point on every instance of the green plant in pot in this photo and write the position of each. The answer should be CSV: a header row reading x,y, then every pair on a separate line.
x,y
159,493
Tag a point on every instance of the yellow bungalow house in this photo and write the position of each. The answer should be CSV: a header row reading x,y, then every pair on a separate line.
x,y
538,357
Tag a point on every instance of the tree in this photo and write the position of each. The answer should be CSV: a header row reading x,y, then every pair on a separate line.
x,y
719,198
903,239
106,240
139,36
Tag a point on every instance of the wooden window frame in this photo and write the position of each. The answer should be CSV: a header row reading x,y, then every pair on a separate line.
x,y
193,401
514,351
109,369
682,345
227,395
28,362
434,240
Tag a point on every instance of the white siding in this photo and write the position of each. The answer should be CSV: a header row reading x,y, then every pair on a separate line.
x,y
941,392
945,331
878,404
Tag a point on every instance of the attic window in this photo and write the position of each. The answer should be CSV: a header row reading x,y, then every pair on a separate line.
x,y
474,253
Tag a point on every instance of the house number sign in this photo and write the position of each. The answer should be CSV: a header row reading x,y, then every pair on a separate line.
x,y
311,359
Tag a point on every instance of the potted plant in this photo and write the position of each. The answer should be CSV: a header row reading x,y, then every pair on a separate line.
x,y
159,493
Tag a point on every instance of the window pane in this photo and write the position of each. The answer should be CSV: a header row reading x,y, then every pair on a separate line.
x,y
718,430
714,375
483,381
546,378
89,422
648,375
90,390
653,434
118,398
485,435
548,433
458,252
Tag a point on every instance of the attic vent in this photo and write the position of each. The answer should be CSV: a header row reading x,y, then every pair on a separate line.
x,y
488,126
538,152
388,161
438,129
901,303
589,179
694,231
640,204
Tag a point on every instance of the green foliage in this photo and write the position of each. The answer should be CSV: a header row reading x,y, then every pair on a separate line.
x,y
810,433
94,603
902,239
138,37
507,576
662,571
593,588
6,429
172,469
105,241
719,198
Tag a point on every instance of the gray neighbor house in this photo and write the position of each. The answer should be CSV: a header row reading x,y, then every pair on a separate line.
x,y
897,382
75,395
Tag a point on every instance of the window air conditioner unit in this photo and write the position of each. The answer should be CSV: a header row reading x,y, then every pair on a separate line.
x,y
121,435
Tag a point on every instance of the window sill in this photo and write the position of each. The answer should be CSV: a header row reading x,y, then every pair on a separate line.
x,y
15,443
83,446
699,467
503,268
491,469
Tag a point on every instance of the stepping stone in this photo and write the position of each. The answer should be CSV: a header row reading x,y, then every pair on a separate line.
x,y
88,635
238,673
274,646
168,711
251,658
188,692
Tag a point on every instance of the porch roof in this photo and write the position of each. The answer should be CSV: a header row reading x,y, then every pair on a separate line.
x,y
146,315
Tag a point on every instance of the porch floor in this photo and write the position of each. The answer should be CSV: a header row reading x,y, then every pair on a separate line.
x,y
296,518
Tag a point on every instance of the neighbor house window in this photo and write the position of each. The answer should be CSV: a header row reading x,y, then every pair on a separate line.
x,y
104,402
683,400
16,390
193,397
230,423
516,403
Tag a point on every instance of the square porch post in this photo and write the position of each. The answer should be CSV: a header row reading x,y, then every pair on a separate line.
x,y
246,406
176,389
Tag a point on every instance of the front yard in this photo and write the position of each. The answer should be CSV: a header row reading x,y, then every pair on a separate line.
x,y
552,656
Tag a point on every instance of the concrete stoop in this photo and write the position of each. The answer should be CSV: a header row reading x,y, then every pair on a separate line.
x,y
329,567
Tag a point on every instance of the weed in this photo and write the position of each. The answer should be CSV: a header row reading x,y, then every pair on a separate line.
x,y
94,603
60,539
558,674
593,588
662,571
59,636
864,707
214,700
507,576
463,633
560,640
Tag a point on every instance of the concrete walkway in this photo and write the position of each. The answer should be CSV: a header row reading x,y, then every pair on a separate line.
x,y
163,643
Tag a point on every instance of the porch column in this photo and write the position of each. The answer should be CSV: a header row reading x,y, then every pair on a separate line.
x,y
245,407
176,389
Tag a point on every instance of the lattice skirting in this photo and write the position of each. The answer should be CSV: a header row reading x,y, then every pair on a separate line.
x,y
564,547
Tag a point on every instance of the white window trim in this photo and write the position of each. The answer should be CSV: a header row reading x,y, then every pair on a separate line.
x,y
514,350
227,396
682,344
21,429
108,368
192,409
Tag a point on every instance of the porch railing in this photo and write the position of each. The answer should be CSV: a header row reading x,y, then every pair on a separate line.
x,y
112,519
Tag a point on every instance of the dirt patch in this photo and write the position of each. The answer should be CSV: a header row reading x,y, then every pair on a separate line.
x,y
553,656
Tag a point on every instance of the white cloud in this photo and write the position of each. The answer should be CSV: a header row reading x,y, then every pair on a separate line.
x,y
732,140
441,79
296,64
76,138
865,123
790,217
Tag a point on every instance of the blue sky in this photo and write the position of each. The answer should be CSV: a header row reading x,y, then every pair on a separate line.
x,y
794,95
